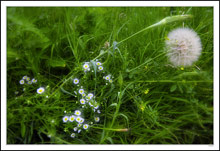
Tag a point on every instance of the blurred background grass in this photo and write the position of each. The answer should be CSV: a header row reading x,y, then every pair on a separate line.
x,y
49,42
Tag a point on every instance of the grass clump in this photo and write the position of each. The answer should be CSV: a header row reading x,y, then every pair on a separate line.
x,y
139,97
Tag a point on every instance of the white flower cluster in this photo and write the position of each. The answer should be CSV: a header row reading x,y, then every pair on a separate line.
x,y
87,100
108,78
78,120
27,80
87,65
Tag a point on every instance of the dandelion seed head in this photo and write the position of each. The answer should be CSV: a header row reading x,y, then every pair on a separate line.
x,y
184,47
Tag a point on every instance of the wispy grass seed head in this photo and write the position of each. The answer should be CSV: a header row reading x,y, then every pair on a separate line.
x,y
183,46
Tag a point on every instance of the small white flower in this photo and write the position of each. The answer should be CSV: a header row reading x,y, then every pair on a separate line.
x,y
28,78
85,126
29,82
79,130
40,90
110,80
97,119
73,135
75,81
24,77
34,80
77,112
72,118
81,91
75,128
98,63
100,68
107,77
96,106
65,119
78,119
16,92
21,81
90,95
49,135
83,94
90,104
79,125
98,111
82,101
52,121
81,120
86,66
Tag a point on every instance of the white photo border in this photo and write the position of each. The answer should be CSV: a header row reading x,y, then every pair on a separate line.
x,y
5,4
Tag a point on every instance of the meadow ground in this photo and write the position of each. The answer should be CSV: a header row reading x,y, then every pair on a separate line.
x,y
148,102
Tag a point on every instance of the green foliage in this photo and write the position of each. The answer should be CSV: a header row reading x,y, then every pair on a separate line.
x,y
149,102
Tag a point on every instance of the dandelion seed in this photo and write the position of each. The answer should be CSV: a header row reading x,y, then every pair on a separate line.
x,y
77,112
65,119
75,81
40,90
97,119
98,63
82,101
81,91
72,118
85,126
73,135
34,80
184,47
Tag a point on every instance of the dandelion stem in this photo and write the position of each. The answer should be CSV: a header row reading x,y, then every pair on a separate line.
x,y
111,129
164,21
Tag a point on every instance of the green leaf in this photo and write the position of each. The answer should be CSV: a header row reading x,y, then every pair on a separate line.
x,y
23,129
173,88
57,63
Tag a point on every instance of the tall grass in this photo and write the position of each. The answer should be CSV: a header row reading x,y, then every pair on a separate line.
x,y
149,102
